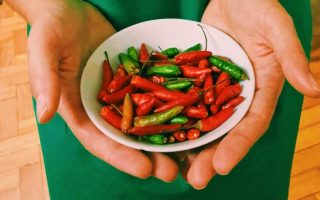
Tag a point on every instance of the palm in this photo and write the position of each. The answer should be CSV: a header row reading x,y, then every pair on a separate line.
x,y
261,36
59,46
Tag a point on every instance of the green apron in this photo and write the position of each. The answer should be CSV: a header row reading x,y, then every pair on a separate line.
x,y
73,173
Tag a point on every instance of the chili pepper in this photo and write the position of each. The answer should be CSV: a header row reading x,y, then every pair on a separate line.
x,y
118,96
139,98
186,100
156,139
158,79
143,54
200,80
145,84
127,113
233,70
193,134
180,136
194,72
204,63
120,107
233,102
222,82
161,63
132,52
199,112
215,69
187,57
109,115
228,93
159,56
146,107
196,47
170,52
129,64
180,119
155,129
118,83
107,77
157,118
214,121
214,108
178,85
171,139
165,70
120,71
158,103
167,95
208,95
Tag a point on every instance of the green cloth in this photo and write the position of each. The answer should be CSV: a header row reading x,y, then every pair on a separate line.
x,y
73,173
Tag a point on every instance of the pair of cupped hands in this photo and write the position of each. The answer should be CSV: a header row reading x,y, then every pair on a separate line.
x,y
65,33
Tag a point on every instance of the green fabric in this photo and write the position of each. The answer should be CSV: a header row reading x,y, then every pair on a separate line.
x,y
73,173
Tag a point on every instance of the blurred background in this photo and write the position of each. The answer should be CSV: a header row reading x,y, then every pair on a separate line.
x,y
22,174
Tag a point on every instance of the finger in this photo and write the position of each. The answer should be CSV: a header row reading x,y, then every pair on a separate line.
x,y
43,70
164,168
284,40
186,164
241,138
201,170
123,158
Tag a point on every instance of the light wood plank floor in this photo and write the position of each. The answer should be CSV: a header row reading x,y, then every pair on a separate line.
x,y
22,174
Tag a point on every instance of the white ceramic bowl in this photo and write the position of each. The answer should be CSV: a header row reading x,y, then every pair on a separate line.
x,y
164,33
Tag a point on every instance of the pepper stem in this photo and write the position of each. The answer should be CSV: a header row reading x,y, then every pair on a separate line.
x,y
106,55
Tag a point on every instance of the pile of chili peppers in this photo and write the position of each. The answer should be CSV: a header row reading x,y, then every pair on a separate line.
x,y
169,96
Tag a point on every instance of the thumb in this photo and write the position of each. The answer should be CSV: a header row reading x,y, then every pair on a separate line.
x,y
43,70
287,47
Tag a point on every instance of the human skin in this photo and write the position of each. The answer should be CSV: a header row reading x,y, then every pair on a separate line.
x,y
65,32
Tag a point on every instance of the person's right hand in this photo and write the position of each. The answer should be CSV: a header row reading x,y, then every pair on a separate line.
x,y
63,36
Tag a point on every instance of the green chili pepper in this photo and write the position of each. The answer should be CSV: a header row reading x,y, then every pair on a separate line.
x,y
170,52
196,47
165,70
157,118
156,139
130,65
180,119
132,52
177,85
232,69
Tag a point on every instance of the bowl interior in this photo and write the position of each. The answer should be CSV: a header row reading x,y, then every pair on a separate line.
x,y
164,33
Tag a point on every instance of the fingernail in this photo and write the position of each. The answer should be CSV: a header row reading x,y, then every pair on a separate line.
x,y
41,108
200,188
314,82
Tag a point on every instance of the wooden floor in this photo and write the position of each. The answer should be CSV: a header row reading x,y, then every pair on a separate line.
x,y
22,174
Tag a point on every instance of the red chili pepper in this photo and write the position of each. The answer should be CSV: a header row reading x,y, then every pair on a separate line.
x,y
118,83
159,56
228,93
107,78
194,72
146,107
111,116
145,84
208,95
158,103
204,63
199,112
193,134
154,129
186,100
233,102
118,96
215,69
214,121
161,63
222,82
168,95
158,79
200,80
143,54
187,57
180,136
139,98
214,108
120,71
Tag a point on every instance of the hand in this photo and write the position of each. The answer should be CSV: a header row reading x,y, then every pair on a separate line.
x,y
267,34
62,38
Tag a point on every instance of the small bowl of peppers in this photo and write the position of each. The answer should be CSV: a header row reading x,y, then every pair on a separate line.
x,y
167,85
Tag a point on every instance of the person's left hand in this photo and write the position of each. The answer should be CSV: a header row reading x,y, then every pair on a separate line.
x,y
267,34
